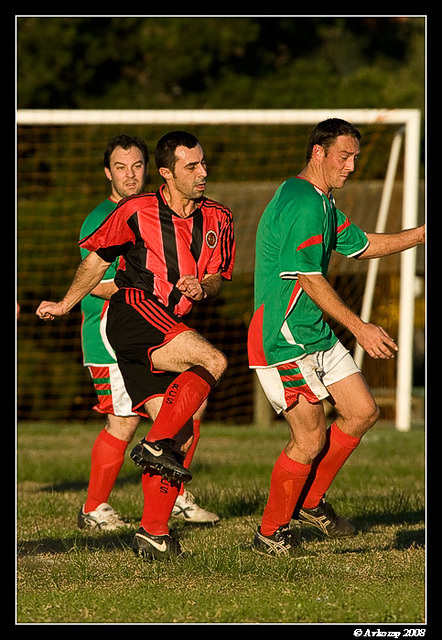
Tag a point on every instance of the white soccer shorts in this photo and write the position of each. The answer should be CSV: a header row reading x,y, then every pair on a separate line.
x,y
309,375
111,391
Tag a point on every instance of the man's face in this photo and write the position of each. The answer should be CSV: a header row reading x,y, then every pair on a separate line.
x,y
340,161
189,175
127,172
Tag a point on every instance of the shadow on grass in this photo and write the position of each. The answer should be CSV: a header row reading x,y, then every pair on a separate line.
x,y
109,541
82,485
405,539
389,518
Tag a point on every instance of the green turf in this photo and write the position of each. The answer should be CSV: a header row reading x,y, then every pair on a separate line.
x,y
69,576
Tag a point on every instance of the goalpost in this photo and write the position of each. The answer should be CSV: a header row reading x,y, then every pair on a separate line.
x,y
406,123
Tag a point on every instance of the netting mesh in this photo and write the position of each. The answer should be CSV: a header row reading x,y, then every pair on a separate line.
x,y
60,180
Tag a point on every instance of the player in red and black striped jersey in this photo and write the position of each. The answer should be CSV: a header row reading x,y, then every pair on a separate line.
x,y
159,245
177,247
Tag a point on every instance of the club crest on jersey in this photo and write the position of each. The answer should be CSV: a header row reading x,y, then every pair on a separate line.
x,y
211,239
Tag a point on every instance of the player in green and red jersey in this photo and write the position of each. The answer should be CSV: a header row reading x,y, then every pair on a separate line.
x,y
294,239
125,165
298,359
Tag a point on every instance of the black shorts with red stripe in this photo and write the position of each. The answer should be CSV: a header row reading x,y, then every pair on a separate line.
x,y
137,324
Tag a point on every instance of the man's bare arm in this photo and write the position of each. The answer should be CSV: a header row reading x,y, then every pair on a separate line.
x,y
89,273
386,244
372,338
212,284
104,290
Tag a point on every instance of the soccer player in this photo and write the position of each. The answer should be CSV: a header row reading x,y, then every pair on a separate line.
x,y
125,166
177,247
298,359
126,162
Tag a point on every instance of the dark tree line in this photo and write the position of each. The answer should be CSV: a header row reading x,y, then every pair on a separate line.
x,y
220,62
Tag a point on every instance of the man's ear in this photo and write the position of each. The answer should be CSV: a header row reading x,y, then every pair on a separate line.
x,y
318,152
166,174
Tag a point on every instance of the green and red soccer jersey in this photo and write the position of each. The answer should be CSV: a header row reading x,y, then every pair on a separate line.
x,y
96,349
297,233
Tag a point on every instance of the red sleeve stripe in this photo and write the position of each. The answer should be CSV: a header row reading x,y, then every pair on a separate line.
x,y
344,225
311,241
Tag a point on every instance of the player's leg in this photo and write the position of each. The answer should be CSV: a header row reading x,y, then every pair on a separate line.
x,y
307,427
199,366
161,497
197,419
153,539
307,431
288,391
122,428
357,412
161,357
148,340
187,349
107,455
186,508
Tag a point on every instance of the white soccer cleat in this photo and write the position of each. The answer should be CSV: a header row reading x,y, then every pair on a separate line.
x,y
103,517
186,509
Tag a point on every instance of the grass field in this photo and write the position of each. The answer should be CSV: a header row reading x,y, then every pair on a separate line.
x,y
69,576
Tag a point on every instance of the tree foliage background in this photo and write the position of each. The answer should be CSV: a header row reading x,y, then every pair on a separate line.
x,y
220,62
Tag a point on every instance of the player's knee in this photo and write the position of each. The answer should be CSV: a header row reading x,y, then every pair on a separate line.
x,y
218,364
311,452
374,415
307,447
368,418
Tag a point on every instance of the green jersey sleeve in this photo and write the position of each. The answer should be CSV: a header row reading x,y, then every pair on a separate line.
x,y
92,221
350,239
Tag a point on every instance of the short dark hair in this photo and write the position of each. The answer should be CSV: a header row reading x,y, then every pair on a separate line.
x,y
167,145
126,142
326,132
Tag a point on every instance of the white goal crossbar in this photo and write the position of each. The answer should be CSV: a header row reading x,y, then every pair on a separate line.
x,y
409,119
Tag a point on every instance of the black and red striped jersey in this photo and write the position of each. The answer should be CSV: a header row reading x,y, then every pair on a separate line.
x,y
158,246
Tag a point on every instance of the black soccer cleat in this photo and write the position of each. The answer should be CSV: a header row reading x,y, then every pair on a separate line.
x,y
150,547
324,518
158,456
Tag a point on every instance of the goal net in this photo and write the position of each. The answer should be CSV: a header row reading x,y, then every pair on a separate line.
x,y
60,179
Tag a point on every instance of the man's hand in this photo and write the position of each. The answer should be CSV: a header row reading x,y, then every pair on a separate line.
x,y
376,341
191,288
49,310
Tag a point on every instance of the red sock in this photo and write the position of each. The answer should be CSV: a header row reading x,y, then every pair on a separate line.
x,y
338,447
189,455
159,498
107,458
287,481
191,452
182,399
